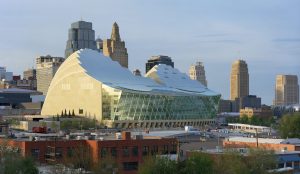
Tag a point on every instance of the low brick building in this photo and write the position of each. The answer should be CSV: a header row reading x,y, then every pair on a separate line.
x,y
292,144
127,152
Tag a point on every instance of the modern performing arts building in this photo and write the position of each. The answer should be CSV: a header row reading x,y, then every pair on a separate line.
x,y
94,86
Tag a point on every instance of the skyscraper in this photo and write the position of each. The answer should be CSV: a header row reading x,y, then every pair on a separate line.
x,y
286,90
81,35
46,67
29,74
115,47
239,80
197,72
156,60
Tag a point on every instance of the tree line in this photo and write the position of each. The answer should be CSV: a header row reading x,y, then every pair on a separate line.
x,y
257,161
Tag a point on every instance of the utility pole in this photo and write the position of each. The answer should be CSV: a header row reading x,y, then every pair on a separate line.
x,y
256,138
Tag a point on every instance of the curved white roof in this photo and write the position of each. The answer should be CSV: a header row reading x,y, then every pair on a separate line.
x,y
111,73
173,78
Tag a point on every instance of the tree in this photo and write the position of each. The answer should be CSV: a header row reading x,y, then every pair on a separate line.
x,y
79,157
11,162
259,161
105,166
230,162
198,163
73,113
244,119
289,126
155,165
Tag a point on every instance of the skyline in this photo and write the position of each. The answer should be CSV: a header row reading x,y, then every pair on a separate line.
x,y
264,35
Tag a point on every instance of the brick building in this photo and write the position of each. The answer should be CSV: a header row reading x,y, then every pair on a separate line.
x,y
127,152
292,144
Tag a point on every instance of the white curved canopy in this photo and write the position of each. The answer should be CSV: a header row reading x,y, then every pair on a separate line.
x,y
111,73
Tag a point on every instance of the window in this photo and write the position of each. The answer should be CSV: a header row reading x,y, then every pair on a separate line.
x,y
128,166
35,153
154,150
58,152
135,151
70,152
174,149
80,111
103,152
165,149
125,151
114,152
145,150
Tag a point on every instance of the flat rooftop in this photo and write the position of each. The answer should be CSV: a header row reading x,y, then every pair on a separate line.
x,y
295,141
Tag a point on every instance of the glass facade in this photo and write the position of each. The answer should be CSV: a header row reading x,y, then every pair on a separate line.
x,y
135,105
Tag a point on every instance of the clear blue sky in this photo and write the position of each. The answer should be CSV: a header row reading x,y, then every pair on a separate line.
x,y
265,33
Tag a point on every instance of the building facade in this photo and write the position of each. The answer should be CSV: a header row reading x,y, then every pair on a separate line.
x,y
4,75
197,72
286,90
128,153
81,35
94,86
225,106
239,80
258,112
46,67
115,47
12,97
29,74
156,60
29,80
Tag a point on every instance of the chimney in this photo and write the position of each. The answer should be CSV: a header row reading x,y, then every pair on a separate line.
x,y
126,135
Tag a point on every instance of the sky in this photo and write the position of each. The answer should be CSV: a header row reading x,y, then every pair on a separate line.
x,y
264,33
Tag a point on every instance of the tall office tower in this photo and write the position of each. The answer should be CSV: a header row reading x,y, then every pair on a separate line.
x,y
81,35
239,80
160,59
197,72
286,90
29,74
4,75
29,80
46,67
115,48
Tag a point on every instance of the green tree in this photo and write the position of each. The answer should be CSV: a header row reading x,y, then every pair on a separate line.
x,y
155,165
229,163
259,161
254,120
11,162
289,126
244,119
198,163
106,165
